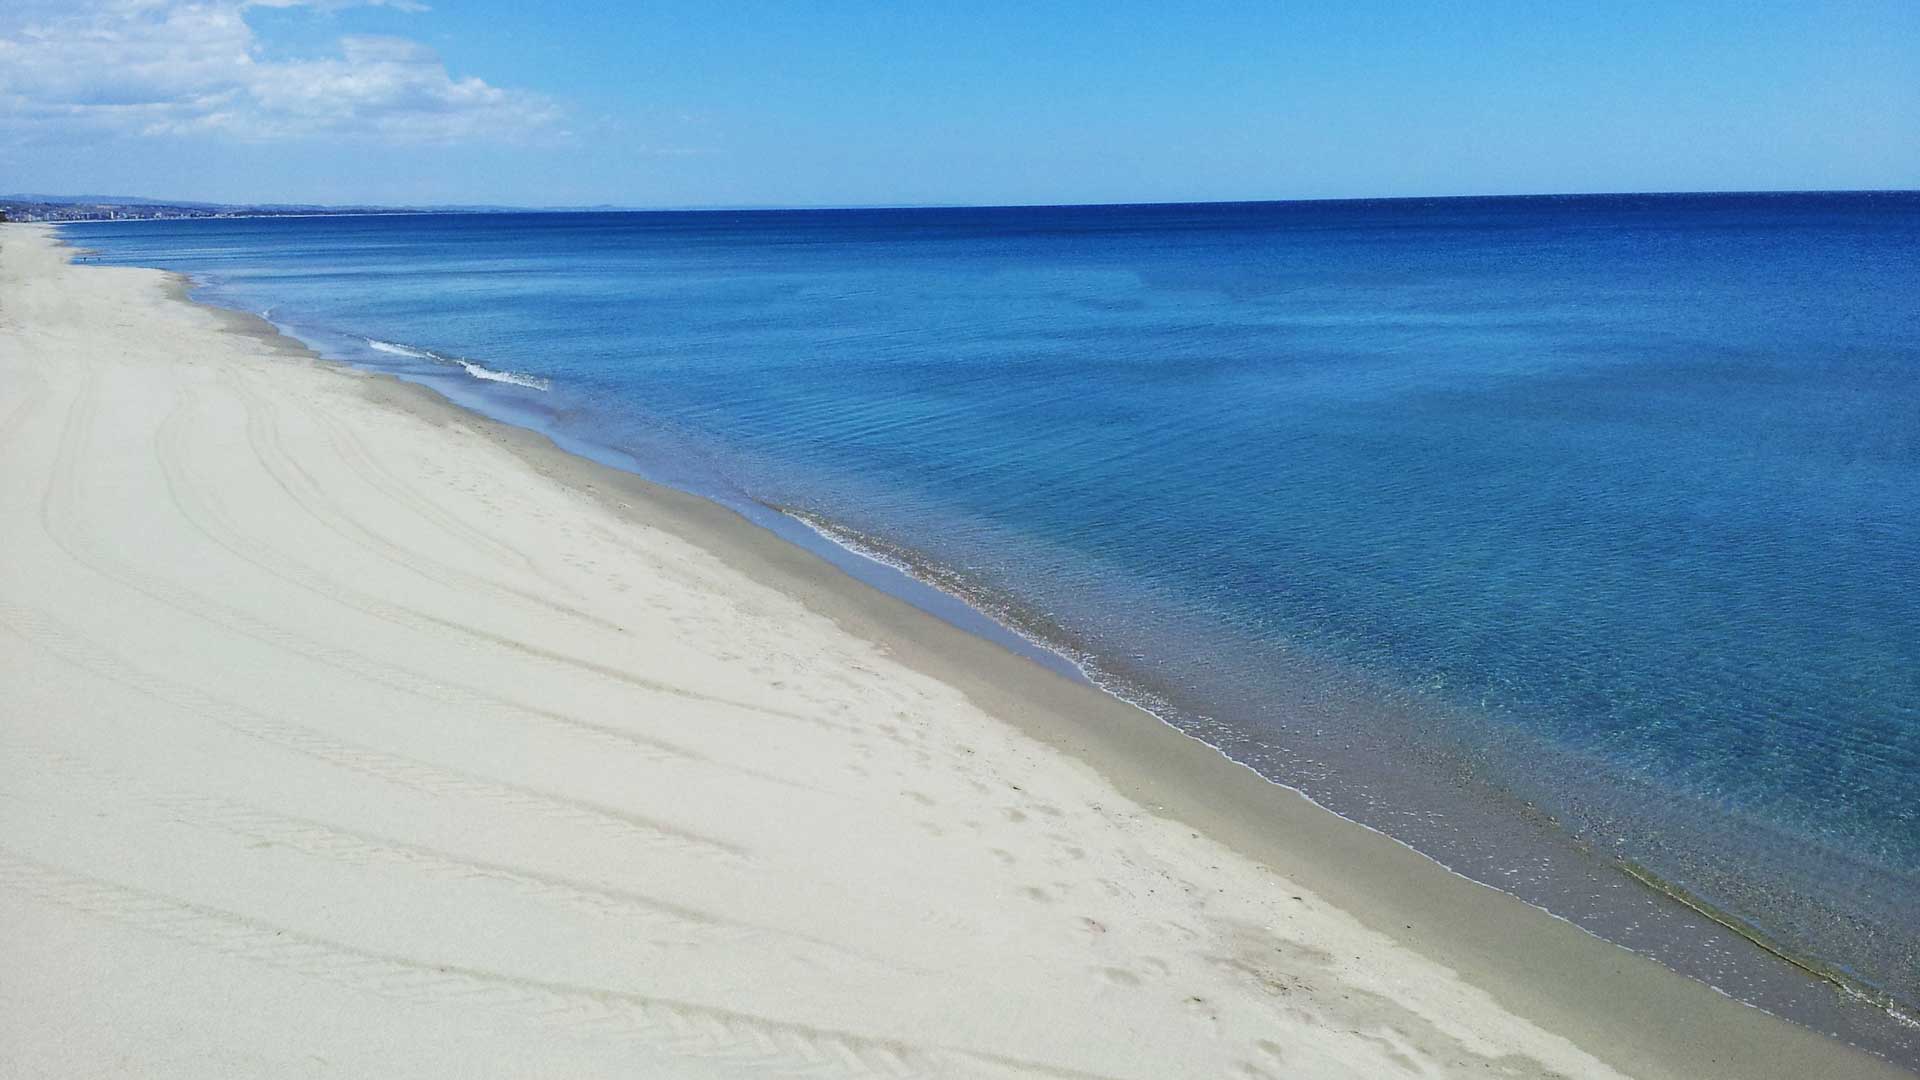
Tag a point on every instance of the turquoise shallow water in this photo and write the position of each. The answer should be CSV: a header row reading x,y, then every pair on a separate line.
x,y
1537,532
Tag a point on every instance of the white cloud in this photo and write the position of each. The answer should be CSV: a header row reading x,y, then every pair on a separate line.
x,y
160,67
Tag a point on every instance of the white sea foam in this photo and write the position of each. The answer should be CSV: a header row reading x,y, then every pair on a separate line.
x,y
399,350
531,382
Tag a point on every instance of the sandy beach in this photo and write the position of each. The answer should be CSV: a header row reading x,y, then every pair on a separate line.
x,y
350,734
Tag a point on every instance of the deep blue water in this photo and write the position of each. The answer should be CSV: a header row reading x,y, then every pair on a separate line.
x,y
1533,531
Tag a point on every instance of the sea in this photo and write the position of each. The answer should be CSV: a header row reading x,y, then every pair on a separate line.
x,y
1573,541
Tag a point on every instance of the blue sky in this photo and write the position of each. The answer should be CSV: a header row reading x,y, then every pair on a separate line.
x,y
723,103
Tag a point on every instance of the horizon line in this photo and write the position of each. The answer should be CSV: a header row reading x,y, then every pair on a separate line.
x,y
428,208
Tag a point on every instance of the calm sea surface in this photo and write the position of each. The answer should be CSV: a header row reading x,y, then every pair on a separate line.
x,y
1553,536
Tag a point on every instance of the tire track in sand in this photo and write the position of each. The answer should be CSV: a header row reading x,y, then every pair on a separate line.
x,y
672,924
437,780
287,566
743,1042
60,520
202,511
307,492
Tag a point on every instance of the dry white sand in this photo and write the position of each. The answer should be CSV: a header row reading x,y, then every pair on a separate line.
x,y
343,735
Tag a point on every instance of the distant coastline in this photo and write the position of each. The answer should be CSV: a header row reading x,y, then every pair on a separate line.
x,y
54,209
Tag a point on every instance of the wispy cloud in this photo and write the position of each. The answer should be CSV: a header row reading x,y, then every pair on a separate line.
x,y
163,67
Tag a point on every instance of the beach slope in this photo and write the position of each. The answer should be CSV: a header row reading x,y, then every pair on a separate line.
x,y
346,734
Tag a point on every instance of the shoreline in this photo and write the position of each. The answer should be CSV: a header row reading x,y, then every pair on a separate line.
x,y
1702,932
1487,798
1083,668
1623,1008
1127,753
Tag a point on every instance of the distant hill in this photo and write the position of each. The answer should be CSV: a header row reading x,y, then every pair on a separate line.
x,y
34,207
43,207
98,200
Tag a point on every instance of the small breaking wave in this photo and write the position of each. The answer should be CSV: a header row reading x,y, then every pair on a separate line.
x,y
531,382
399,350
